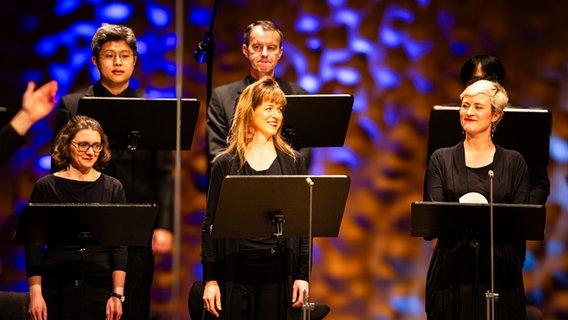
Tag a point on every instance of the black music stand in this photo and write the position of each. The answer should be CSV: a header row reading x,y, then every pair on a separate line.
x,y
450,219
138,123
281,206
526,130
248,205
86,225
328,113
505,222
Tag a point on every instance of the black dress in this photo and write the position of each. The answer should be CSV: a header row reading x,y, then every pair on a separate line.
x,y
459,275
62,267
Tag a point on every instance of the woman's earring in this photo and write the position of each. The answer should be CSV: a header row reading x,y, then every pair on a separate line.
x,y
493,129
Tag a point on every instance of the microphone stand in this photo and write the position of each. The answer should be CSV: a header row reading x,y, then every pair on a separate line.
x,y
307,307
491,296
206,49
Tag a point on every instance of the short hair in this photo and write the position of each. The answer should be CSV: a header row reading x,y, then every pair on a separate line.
x,y
492,68
113,32
252,97
61,154
497,94
266,25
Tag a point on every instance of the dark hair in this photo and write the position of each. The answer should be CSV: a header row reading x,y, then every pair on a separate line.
x,y
61,154
492,68
267,25
113,32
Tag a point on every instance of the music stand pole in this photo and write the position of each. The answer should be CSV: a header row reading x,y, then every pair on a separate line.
x,y
491,297
307,307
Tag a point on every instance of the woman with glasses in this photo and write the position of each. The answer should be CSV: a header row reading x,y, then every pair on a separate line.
x,y
60,276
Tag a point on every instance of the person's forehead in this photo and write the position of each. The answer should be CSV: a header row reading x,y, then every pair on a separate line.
x,y
259,34
88,135
476,98
115,46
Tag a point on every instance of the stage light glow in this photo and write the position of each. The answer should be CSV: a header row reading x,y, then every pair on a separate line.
x,y
199,16
115,12
158,16
307,24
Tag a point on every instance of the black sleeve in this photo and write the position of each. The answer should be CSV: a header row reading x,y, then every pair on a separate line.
x,y
217,125
118,255
302,264
208,248
164,189
434,179
539,184
34,254
10,142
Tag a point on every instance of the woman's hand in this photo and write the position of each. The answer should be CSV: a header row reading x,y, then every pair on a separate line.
x,y
37,309
298,292
212,297
113,309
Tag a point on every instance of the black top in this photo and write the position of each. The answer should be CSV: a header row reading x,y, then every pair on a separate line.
x,y
477,179
64,260
259,244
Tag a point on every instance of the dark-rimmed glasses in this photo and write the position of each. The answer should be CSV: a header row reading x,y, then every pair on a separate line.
x,y
84,146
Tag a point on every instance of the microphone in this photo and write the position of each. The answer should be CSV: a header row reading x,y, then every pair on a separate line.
x,y
309,181
490,173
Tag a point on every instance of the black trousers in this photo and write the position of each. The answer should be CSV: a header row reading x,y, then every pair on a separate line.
x,y
258,291
64,301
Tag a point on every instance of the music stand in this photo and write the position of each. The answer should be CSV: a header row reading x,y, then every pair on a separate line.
x,y
328,113
526,130
86,225
281,206
504,222
450,219
247,206
76,224
138,123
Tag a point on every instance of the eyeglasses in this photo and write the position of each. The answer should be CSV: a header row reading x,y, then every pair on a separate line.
x,y
84,146
258,48
125,56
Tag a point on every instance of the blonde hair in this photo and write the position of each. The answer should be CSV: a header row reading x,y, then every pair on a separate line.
x,y
496,93
266,90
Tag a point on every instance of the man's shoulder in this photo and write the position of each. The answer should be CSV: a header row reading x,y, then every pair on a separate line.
x,y
290,88
231,86
73,98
